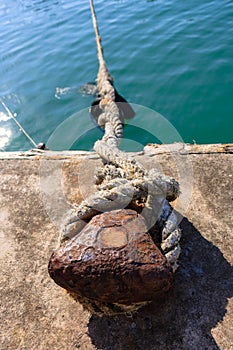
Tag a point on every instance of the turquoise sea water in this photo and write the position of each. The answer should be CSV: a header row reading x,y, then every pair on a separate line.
x,y
174,57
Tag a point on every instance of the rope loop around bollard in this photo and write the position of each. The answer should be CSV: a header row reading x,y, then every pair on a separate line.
x,y
122,184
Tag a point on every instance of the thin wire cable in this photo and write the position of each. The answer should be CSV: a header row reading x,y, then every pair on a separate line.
x,y
19,125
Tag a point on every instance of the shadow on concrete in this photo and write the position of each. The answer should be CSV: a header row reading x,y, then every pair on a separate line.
x,y
185,317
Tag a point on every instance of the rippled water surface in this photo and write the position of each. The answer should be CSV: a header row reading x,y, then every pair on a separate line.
x,y
175,57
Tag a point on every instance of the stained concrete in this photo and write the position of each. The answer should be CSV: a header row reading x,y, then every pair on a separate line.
x,y
36,190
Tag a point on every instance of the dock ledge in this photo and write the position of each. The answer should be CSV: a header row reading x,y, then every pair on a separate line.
x,y
36,188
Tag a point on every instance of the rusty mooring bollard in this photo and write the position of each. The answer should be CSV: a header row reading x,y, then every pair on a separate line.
x,y
112,260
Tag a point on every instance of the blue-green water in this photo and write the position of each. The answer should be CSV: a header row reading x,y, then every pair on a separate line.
x,y
175,57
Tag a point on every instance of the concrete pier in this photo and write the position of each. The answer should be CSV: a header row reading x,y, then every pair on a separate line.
x,y
36,190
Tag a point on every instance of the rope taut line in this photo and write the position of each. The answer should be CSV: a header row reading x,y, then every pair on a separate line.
x,y
98,41
122,174
122,182
111,113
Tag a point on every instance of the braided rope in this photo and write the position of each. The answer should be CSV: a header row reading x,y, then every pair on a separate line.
x,y
122,181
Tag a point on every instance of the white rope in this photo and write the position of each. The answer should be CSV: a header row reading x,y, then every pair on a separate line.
x,y
18,124
123,182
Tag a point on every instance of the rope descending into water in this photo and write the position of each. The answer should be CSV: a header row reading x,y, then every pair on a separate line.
x,y
123,182
110,117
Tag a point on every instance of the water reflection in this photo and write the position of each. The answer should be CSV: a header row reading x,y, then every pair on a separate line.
x,y
13,102
4,117
5,132
5,136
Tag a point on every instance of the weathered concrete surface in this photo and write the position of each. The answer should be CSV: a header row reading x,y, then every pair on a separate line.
x,y
35,191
